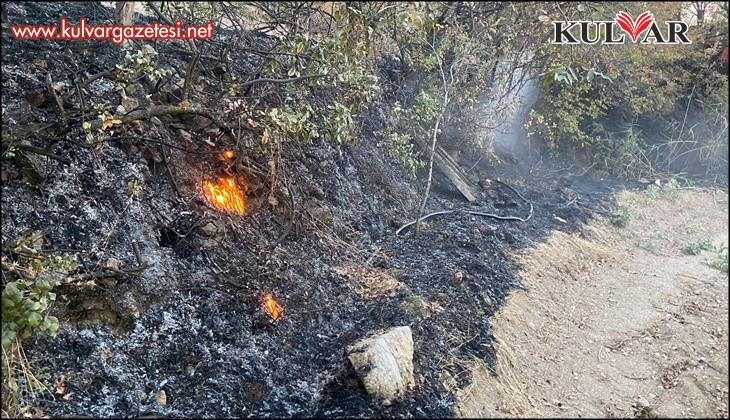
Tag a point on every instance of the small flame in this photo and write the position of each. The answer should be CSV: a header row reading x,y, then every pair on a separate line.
x,y
228,154
272,307
225,195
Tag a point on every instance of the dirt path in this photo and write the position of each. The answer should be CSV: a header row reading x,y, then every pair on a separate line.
x,y
617,323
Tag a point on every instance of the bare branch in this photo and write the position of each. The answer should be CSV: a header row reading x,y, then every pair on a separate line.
x,y
293,79
145,114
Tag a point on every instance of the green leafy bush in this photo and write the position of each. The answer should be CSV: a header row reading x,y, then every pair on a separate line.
x,y
675,93
652,190
654,242
625,214
26,300
24,306
139,64
690,249
703,244
721,262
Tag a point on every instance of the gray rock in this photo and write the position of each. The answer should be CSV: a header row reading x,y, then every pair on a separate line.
x,y
642,402
209,229
384,363
184,136
458,278
319,210
32,166
130,104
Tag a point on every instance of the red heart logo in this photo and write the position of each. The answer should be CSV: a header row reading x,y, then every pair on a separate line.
x,y
634,27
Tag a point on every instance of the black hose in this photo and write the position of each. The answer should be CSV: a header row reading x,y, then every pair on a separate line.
x,y
477,213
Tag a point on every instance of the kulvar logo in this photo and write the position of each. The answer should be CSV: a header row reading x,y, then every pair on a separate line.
x,y
606,32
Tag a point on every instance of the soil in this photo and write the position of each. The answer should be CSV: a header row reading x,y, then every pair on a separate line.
x,y
620,323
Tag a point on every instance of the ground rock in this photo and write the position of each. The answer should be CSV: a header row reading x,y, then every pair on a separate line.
x,y
319,210
384,362
32,166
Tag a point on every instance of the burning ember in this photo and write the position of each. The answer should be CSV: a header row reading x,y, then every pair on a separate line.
x,y
272,307
228,155
226,195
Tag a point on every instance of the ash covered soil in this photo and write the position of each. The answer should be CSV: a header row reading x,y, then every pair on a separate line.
x,y
190,325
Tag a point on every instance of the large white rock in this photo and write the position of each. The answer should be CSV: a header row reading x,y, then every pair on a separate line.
x,y
384,362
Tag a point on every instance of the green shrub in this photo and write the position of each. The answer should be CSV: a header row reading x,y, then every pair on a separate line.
x,y
690,249
703,244
652,190
654,242
26,300
721,262
24,306
625,214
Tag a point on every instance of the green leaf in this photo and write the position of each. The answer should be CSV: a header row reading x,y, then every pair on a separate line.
x,y
8,337
549,79
591,74
8,303
572,74
43,285
12,383
11,291
50,324
32,305
35,319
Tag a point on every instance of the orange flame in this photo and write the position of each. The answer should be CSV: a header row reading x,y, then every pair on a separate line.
x,y
228,155
225,195
272,307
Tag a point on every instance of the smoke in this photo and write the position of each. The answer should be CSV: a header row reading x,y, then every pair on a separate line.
x,y
504,119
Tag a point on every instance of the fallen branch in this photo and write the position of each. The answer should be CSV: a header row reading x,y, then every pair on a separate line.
x,y
46,151
268,80
87,82
52,92
57,130
289,224
171,146
137,254
109,272
134,271
157,110
169,172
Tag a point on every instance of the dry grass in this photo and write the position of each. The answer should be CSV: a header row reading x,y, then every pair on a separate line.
x,y
19,385
370,283
513,398
563,256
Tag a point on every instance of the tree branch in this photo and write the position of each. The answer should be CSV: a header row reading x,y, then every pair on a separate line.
x,y
444,104
293,79
145,114
193,60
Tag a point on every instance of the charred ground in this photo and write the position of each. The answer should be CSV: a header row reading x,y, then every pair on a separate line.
x,y
191,323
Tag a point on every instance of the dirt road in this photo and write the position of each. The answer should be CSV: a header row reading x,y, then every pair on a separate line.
x,y
617,322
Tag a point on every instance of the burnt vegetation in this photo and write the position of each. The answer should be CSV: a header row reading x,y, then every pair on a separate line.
x,y
326,119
